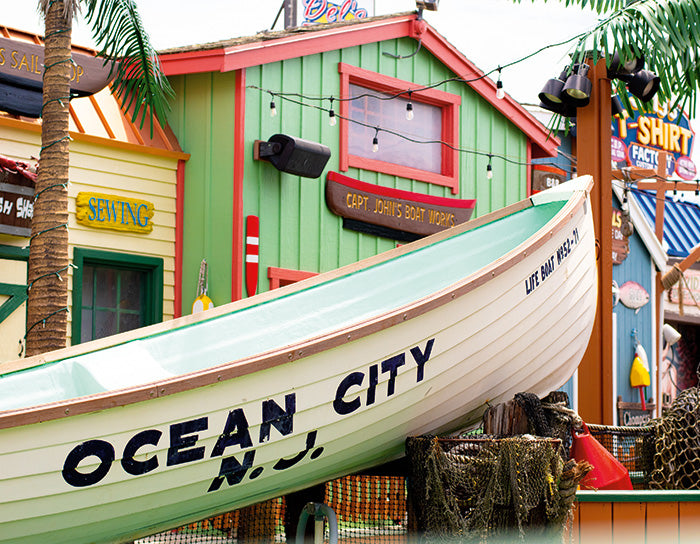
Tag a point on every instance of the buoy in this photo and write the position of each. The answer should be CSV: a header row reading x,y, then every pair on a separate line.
x,y
252,252
608,472
639,373
202,302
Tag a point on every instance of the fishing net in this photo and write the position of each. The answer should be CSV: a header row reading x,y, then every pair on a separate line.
x,y
490,490
369,509
631,447
675,446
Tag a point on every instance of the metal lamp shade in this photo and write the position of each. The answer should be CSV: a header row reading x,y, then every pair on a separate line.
x,y
616,107
550,95
644,85
627,67
577,90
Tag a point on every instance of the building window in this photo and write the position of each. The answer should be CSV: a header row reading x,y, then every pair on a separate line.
x,y
114,293
279,277
375,104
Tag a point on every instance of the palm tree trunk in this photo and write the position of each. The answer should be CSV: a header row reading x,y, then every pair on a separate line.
x,y
47,305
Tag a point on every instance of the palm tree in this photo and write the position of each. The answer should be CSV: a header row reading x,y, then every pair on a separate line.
x,y
139,83
665,33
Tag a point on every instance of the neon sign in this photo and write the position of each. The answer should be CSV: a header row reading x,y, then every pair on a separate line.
x,y
323,11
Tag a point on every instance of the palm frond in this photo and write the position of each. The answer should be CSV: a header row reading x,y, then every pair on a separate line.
x,y
666,32
138,78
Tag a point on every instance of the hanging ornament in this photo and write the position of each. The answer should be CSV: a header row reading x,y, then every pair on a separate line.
x,y
252,253
202,302
639,373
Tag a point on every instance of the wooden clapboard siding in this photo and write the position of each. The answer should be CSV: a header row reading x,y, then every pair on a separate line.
x,y
640,516
127,171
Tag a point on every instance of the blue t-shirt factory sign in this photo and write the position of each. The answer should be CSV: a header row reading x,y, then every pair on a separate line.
x,y
637,141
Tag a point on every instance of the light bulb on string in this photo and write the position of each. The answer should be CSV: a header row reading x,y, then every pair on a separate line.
x,y
273,108
409,108
332,120
500,93
489,170
375,141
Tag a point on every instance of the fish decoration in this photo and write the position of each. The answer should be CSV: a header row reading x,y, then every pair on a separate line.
x,y
633,295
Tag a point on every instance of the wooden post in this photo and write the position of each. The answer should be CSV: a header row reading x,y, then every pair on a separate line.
x,y
594,133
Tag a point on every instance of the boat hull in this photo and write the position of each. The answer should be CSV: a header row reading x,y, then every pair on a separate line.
x,y
521,323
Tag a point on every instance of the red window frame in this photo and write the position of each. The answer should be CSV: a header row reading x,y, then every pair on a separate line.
x,y
279,277
449,104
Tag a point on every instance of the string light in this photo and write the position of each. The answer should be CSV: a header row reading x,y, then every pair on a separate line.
x,y
500,93
273,108
375,141
409,108
332,121
489,170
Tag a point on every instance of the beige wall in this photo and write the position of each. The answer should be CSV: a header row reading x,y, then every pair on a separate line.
x,y
123,170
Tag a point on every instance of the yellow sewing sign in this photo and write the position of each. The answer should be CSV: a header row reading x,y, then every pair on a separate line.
x,y
114,212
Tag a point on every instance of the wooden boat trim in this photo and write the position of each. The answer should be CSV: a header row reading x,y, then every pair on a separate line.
x,y
279,356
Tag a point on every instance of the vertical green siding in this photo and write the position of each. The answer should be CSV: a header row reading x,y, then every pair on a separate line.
x,y
297,230
202,119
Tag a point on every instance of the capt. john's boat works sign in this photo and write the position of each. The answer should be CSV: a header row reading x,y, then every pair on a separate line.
x,y
393,208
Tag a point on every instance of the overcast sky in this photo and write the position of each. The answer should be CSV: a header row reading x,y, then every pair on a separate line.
x,y
490,33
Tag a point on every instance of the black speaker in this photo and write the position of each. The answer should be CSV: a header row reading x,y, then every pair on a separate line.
x,y
295,155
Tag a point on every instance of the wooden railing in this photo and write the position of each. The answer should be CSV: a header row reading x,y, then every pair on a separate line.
x,y
657,517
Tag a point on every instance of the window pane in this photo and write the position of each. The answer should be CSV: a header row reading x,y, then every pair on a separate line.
x,y
106,292
86,325
88,284
129,321
426,125
105,323
130,289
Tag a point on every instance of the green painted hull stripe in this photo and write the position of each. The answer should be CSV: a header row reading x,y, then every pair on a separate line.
x,y
279,322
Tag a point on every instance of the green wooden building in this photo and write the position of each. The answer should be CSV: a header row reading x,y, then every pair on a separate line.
x,y
370,73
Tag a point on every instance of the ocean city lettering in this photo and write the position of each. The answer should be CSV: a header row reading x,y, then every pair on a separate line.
x,y
182,447
388,366
542,272
236,443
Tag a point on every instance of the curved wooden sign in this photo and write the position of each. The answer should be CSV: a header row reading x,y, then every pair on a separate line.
x,y
393,208
22,65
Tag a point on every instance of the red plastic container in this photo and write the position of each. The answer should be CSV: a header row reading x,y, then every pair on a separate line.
x,y
608,472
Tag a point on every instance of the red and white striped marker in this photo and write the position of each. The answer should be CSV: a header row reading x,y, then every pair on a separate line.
x,y
252,252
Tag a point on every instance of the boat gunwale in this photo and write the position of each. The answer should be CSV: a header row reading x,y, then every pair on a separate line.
x,y
233,369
